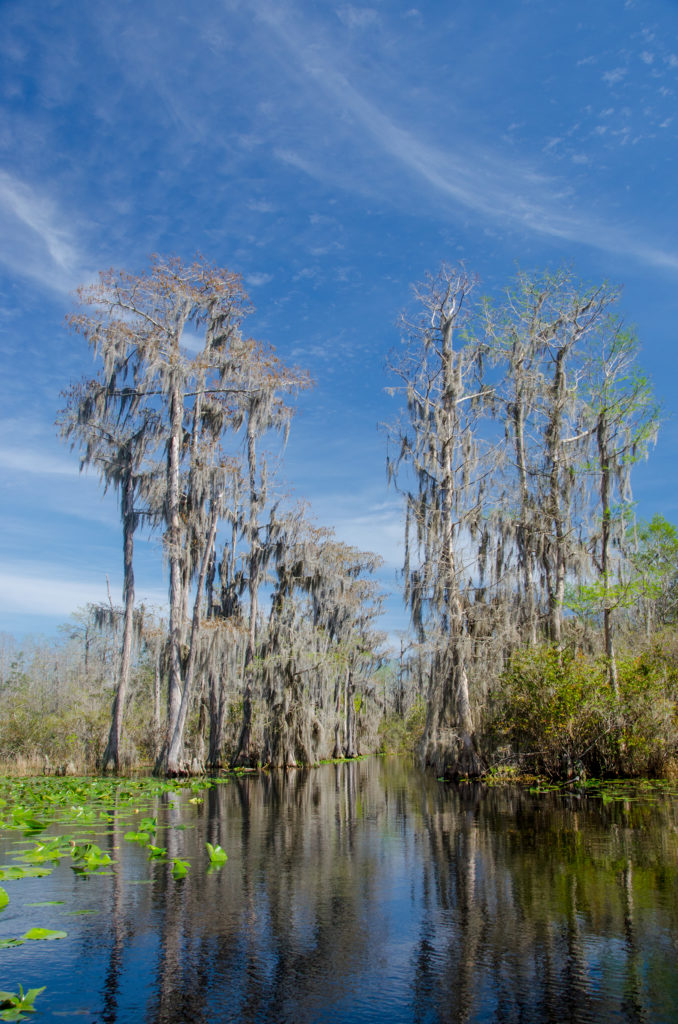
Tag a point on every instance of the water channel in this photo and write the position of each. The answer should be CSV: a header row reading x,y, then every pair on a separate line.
x,y
364,892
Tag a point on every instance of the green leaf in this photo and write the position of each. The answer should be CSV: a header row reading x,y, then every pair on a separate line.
x,y
48,934
180,868
14,872
31,996
137,837
216,854
4,898
12,1014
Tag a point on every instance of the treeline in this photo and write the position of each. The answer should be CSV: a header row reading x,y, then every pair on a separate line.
x,y
180,421
542,611
522,421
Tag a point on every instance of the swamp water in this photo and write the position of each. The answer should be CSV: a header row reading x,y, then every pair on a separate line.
x,y
353,893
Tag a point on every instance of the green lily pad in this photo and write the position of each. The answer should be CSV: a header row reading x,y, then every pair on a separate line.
x,y
43,933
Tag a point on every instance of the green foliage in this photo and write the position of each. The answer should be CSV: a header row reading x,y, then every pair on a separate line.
x,y
400,735
556,713
89,857
13,1005
216,854
156,852
46,934
33,935
179,868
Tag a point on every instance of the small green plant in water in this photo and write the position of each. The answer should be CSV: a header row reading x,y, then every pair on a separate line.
x,y
13,1005
179,868
216,854
33,935
138,837
89,857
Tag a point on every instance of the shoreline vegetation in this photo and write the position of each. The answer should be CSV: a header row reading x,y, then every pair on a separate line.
x,y
543,611
552,719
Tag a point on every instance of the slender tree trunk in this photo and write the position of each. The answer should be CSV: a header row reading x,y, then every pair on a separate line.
x,y
112,751
176,623
217,707
606,529
156,694
351,749
554,449
175,750
243,753
524,546
337,751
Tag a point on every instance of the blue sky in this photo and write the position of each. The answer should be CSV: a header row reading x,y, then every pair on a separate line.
x,y
332,154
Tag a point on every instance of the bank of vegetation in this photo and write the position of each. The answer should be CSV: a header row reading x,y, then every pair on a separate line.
x,y
543,613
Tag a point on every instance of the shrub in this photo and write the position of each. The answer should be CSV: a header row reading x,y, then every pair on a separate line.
x,y
555,713
398,735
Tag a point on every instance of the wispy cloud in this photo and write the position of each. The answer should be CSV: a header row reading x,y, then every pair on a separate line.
x,y
357,17
473,177
36,241
25,460
29,589
257,280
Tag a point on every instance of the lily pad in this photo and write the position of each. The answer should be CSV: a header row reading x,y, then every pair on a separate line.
x,y
43,933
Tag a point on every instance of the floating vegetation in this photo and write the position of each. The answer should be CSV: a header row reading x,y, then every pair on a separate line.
x,y
216,854
13,1005
77,813
179,868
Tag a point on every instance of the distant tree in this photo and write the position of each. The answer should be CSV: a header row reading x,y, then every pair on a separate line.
x,y
320,642
653,558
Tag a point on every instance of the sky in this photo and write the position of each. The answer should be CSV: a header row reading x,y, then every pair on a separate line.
x,y
333,155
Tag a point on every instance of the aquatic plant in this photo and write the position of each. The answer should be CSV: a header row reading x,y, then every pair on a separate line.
x,y
13,1005
179,868
216,854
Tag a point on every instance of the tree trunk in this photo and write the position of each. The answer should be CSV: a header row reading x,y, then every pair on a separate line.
x,y
605,539
175,752
243,754
176,623
112,751
217,709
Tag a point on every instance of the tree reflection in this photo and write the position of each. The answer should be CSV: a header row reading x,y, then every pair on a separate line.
x,y
368,892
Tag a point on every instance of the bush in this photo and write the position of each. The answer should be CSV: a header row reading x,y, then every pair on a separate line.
x,y
398,735
555,713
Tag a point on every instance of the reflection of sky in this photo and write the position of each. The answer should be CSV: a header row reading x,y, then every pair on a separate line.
x,y
332,155
359,893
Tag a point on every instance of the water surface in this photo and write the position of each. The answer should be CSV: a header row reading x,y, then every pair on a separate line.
x,y
363,892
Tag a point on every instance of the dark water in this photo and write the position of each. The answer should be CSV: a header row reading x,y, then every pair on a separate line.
x,y
365,892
